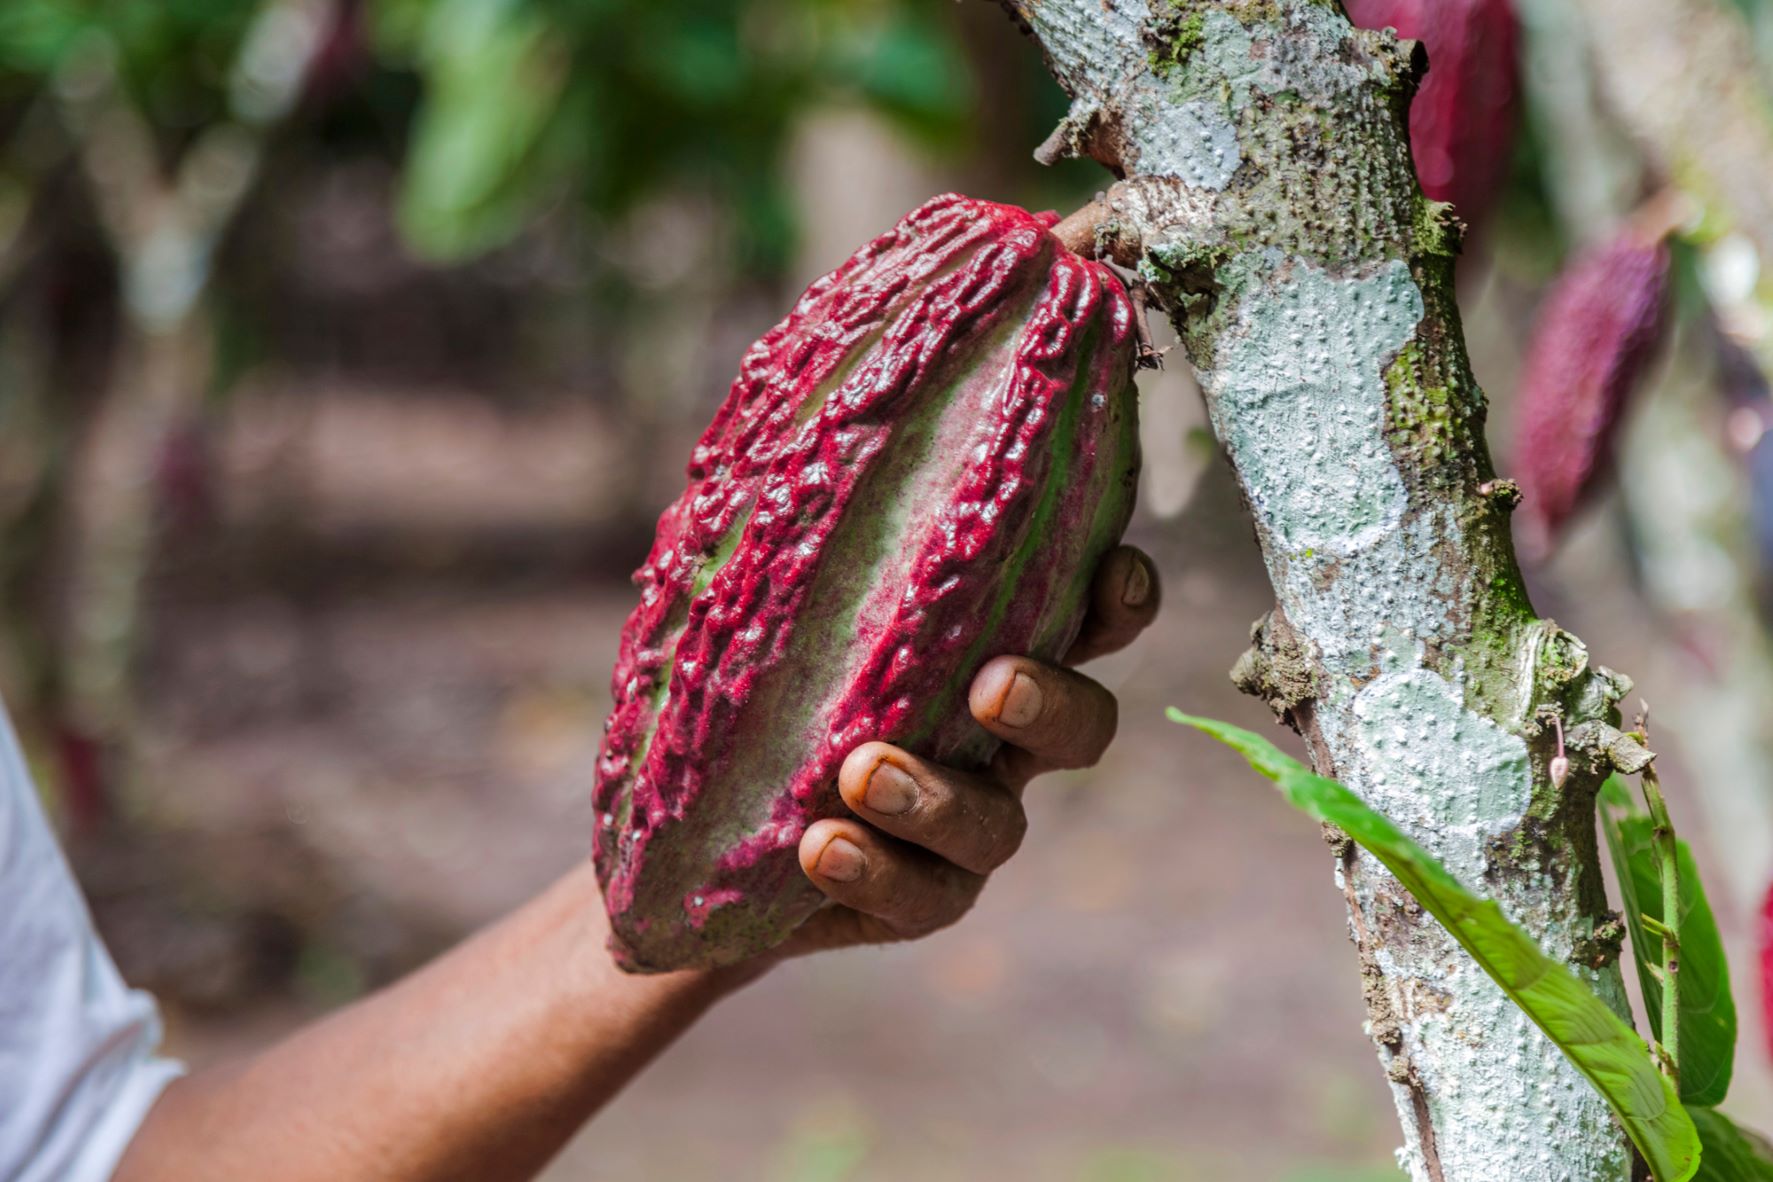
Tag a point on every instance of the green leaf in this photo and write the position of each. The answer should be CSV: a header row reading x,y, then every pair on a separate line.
x,y
1708,1012
494,73
1601,1045
1730,1154
912,69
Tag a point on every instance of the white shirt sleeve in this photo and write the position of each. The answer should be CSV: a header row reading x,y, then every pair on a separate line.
x,y
78,1062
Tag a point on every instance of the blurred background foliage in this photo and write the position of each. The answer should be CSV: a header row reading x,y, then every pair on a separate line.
x,y
610,104
180,181
348,349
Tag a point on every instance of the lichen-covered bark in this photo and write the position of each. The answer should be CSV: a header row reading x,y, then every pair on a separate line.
x,y
1270,200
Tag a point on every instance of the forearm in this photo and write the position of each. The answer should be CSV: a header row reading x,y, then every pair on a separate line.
x,y
480,1066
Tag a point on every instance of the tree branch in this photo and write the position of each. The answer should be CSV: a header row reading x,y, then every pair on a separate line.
x,y
165,227
1270,199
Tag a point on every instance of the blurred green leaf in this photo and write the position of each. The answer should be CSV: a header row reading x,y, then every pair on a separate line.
x,y
702,63
172,56
827,1144
1708,1012
1347,1174
1117,1163
1601,1045
619,102
912,71
1730,1154
495,77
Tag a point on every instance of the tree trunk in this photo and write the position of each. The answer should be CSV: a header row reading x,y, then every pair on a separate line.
x,y
1270,200
165,227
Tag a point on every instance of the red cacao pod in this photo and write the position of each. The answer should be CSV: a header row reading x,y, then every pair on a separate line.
x,y
1462,122
917,470
1764,940
1593,338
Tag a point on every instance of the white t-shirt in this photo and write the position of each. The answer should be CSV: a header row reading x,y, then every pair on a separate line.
x,y
78,1068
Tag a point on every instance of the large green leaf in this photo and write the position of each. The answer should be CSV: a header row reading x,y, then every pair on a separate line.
x,y
1601,1045
1708,1012
1731,1155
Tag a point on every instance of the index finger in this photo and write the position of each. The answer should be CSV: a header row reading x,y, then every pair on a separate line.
x,y
1124,597
1048,717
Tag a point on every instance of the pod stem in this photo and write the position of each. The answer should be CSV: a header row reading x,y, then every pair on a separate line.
x,y
1077,231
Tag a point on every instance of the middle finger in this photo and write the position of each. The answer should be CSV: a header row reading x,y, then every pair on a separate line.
x,y
972,821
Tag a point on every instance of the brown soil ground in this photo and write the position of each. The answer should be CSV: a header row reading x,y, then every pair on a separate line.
x,y
353,767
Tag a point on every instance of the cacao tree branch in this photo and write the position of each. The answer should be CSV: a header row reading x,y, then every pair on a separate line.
x,y
1271,202
165,227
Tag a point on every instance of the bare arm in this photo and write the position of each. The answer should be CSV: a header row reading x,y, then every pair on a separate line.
x,y
481,1065
478,1066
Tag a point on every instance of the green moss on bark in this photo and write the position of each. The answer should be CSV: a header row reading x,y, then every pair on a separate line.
x,y
1173,39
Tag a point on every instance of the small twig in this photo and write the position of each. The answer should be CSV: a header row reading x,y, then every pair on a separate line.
x,y
1664,212
1560,763
1150,356
1081,233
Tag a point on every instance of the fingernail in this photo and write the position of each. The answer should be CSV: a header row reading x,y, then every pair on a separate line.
x,y
1138,588
841,861
1021,702
890,791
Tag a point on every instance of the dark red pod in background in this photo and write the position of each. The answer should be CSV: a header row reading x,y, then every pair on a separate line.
x,y
1594,337
1462,123
1764,942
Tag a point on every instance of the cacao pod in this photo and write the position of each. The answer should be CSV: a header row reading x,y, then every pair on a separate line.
x,y
1462,122
1593,338
917,470
1764,941
1759,463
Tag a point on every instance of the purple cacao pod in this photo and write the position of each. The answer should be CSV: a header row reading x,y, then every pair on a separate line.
x,y
916,471
1462,122
1595,334
1764,947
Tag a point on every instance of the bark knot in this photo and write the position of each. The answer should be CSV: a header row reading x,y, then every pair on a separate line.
x,y
1278,667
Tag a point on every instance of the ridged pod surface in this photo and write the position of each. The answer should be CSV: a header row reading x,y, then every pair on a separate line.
x,y
1462,123
916,471
1594,336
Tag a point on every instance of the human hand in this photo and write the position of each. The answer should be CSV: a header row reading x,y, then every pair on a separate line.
x,y
926,836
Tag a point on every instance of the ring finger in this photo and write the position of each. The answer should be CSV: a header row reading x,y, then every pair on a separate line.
x,y
971,821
